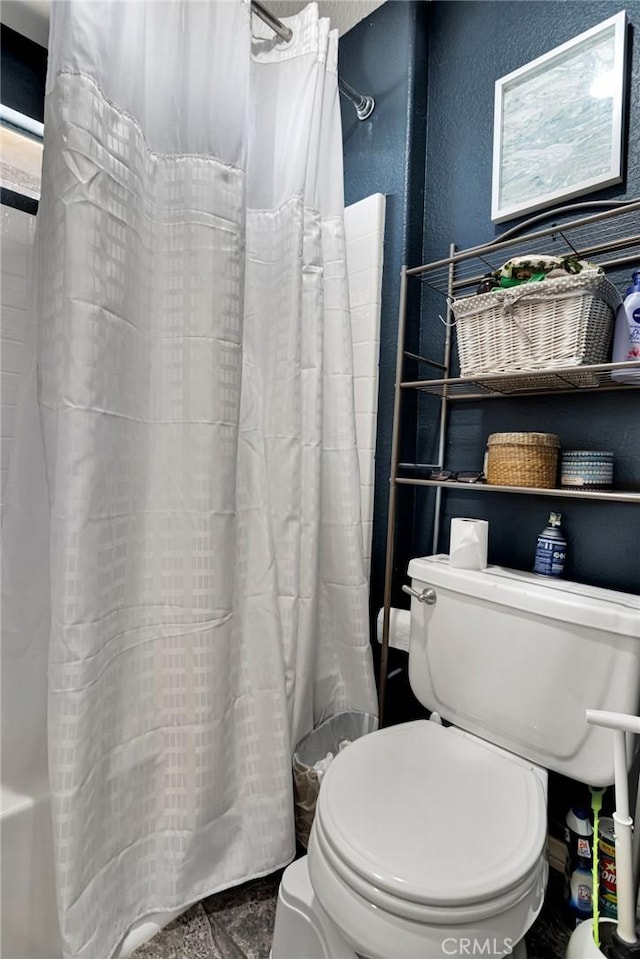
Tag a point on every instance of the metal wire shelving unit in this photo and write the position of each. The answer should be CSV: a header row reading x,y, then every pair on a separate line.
x,y
604,232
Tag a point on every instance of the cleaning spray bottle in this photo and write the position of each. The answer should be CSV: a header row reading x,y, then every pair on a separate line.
x,y
626,338
578,876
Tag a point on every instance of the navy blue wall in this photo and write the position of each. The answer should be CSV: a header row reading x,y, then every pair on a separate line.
x,y
451,53
471,44
23,71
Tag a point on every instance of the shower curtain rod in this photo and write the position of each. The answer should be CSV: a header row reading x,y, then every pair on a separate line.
x,y
364,105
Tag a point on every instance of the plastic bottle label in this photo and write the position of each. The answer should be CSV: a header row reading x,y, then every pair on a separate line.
x,y
584,847
550,557
608,879
580,893
634,335
608,898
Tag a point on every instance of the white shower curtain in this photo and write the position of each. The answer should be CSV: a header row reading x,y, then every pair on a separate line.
x,y
201,570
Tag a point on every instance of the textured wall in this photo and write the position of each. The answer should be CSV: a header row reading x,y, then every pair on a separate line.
x,y
27,17
343,15
471,45
23,68
452,59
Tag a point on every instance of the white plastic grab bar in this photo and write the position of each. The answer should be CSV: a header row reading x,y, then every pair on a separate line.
x,y
602,717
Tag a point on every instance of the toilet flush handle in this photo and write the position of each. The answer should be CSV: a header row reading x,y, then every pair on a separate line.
x,y
426,595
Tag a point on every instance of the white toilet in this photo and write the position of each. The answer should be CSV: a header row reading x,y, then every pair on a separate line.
x,y
429,840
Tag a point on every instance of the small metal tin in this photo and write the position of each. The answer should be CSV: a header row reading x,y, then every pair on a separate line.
x,y
586,469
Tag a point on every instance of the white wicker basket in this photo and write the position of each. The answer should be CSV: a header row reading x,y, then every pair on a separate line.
x,y
565,321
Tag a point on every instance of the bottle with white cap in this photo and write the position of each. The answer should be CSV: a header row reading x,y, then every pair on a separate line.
x,y
626,339
578,874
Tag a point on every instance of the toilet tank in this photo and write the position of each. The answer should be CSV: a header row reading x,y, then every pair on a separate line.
x,y
516,659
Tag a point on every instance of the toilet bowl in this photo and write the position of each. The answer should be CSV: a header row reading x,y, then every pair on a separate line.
x,y
425,836
429,840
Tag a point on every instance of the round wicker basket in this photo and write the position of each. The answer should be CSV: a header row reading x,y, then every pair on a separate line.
x,y
523,459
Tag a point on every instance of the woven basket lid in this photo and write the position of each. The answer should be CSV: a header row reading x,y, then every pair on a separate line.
x,y
550,440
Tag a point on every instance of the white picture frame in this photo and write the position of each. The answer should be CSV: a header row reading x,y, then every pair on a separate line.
x,y
558,123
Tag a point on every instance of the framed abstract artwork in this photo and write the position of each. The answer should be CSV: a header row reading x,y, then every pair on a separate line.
x,y
558,123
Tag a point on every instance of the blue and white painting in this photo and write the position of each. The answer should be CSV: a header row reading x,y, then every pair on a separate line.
x,y
560,123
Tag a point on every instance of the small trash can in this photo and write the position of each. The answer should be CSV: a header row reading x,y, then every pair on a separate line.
x,y
313,755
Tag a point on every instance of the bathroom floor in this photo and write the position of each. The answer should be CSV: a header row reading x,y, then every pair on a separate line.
x,y
238,923
235,924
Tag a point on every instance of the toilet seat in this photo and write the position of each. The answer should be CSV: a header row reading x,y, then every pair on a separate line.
x,y
420,827
385,803
423,912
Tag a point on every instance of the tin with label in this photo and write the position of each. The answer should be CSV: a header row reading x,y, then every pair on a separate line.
x,y
551,548
608,893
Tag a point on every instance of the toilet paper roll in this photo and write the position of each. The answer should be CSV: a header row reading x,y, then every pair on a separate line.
x,y
399,628
468,543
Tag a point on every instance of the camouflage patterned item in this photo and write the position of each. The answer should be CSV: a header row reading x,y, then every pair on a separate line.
x,y
533,269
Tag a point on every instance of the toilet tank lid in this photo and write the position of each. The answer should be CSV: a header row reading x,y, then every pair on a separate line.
x,y
577,603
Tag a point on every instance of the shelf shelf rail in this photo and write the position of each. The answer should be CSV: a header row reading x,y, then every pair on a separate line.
x,y
601,236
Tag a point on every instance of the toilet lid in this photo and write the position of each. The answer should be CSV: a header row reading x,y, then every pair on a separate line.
x,y
434,815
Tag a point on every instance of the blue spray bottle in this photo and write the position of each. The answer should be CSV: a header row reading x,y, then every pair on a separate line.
x,y
551,549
